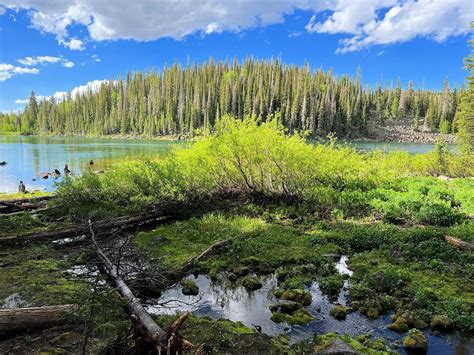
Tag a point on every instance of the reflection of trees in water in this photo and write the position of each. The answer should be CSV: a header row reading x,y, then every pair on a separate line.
x,y
29,156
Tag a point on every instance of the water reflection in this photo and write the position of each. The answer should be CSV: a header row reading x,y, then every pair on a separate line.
x,y
222,299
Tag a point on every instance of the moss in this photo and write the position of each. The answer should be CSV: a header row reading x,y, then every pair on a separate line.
x,y
339,312
362,344
400,325
189,288
225,336
37,274
298,295
373,313
300,317
252,282
441,322
331,285
415,341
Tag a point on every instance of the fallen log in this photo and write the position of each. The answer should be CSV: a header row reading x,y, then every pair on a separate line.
x,y
149,336
69,232
14,320
458,243
212,250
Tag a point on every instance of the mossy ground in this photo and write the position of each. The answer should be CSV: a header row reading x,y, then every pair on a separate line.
x,y
406,262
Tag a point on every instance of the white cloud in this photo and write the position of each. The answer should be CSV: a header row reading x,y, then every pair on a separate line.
x,y
367,22
152,19
8,71
74,44
95,58
61,95
374,22
67,64
2,10
294,34
43,60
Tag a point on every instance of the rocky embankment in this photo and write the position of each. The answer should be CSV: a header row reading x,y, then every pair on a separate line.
x,y
402,131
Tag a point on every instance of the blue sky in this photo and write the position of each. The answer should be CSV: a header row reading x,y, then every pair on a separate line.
x,y
66,44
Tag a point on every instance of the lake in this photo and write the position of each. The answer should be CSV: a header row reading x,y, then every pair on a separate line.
x,y
28,157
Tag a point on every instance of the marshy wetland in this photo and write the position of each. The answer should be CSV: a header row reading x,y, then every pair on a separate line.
x,y
273,244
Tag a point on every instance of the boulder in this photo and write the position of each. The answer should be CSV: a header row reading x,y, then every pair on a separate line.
x,y
441,323
339,312
251,282
297,295
338,347
189,288
400,325
284,306
416,342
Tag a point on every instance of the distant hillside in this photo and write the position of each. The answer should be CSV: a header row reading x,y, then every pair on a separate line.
x,y
183,101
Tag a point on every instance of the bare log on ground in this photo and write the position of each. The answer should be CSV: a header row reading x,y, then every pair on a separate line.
x,y
23,204
74,231
148,335
458,243
14,320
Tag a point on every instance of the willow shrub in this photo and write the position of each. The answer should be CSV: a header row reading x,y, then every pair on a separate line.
x,y
244,157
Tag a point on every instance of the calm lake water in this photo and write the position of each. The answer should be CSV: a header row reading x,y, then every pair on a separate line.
x,y
28,157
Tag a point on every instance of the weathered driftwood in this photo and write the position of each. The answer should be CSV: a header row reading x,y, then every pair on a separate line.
x,y
458,243
14,320
149,336
73,231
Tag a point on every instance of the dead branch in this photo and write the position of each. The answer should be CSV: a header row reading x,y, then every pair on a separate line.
x,y
149,336
458,243
73,231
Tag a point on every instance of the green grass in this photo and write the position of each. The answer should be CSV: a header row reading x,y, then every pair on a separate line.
x,y
253,241
4,196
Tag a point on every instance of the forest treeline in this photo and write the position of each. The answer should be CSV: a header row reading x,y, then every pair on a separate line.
x,y
188,100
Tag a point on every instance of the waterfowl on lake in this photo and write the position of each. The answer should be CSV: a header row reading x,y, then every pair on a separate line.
x,y
57,172
66,169
91,162
3,163
44,175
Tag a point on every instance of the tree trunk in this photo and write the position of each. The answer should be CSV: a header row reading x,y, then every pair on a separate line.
x,y
458,243
15,320
74,231
149,337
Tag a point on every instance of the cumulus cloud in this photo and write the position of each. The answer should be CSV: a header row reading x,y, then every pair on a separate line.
x,y
74,44
8,71
374,22
42,60
367,22
67,64
93,86
152,19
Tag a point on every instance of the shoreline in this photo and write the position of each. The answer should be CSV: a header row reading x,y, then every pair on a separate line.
x,y
391,137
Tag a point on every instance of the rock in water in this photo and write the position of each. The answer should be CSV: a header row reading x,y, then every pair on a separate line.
x,y
251,282
190,288
415,342
442,323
